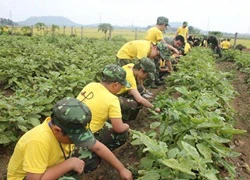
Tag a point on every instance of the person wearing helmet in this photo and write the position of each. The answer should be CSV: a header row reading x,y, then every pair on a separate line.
x,y
48,150
131,99
183,30
155,35
106,122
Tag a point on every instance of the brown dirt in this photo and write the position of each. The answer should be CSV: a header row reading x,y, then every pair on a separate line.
x,y
241,104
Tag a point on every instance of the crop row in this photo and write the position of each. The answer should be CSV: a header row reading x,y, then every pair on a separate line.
x,y
190,138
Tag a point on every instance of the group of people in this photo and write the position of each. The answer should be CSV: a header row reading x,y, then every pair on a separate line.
x,y
83,130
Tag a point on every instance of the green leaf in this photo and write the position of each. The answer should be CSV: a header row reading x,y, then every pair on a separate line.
x,y
205,151
231,131
149,175
174,164
191,150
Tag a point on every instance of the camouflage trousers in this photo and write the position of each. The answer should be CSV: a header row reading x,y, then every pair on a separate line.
x,y
129,107
108,137
122,62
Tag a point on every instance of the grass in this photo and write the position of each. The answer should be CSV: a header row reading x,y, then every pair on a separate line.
x,y
127,34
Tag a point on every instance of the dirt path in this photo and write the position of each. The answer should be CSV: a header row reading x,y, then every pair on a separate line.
x,y
241,104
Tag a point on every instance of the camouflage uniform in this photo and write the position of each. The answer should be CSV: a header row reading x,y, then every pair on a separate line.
x,y
107,135
165,55
122,62
73,117
130,108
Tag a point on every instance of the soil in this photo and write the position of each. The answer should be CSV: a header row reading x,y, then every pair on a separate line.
x,y
129,155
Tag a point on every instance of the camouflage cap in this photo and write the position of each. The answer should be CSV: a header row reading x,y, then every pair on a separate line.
x,y
73,117
162,20
115,73
185,23
148,65
164,51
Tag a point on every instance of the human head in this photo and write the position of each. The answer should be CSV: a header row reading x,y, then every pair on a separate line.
x,y
115,73
178,41
185,24
73,117
147,65
161,20
163,50
162,23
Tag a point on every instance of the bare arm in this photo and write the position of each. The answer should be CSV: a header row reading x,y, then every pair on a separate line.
x,y
142,100
58,170
169,65
102,151
170,47
118,125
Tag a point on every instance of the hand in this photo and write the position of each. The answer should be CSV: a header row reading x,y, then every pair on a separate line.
x,y
126,174
77,164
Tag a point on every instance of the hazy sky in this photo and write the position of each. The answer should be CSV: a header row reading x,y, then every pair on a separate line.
x,y
214,15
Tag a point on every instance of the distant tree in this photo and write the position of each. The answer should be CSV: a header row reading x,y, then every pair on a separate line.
x,y
216,33
106,28
54,27
26,30
40,26
193,30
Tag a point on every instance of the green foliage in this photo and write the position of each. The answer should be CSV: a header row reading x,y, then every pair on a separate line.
x,y
216,33
106,28
41,70
192,127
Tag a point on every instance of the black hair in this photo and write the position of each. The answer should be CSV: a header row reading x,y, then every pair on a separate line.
x,y
53,122
180,38
137,66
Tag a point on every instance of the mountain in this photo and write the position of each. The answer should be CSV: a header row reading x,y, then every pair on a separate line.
x,y
48,21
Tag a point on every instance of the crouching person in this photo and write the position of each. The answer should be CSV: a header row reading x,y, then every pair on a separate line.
x,y
131,98
46,151
100,97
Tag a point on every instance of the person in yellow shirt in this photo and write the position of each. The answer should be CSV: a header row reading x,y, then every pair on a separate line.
x,y
113,134
130,98
135,50
154,34
47,151
187,48
183,30
225,44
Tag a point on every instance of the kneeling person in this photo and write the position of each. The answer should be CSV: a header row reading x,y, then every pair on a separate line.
x,y
130,98
47,151
105,106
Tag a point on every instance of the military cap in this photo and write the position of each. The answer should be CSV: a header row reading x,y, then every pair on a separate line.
x,y
115,73
73,117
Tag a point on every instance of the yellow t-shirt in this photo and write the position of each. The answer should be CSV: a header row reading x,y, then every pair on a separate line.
x,y
134,49
102,103
129,77
183,31
225,45
154,35
37,150
187,48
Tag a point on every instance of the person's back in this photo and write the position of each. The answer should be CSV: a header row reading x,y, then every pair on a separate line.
x,y
225,44
94,93
134,49
26,159
112,80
